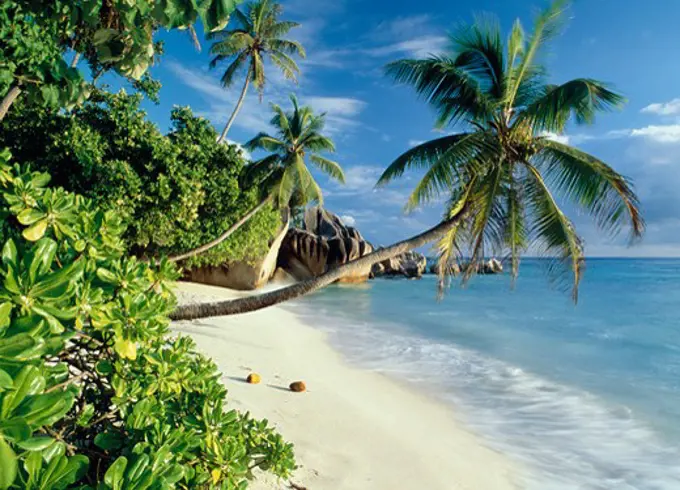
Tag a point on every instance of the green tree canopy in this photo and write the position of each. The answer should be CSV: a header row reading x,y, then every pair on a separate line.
x,y
35,35
504,164
175,191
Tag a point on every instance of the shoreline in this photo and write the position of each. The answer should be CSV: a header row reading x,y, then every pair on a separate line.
x,y
352,429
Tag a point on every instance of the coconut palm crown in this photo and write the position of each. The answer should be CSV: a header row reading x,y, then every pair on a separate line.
x,y
298,136
506,164
257,34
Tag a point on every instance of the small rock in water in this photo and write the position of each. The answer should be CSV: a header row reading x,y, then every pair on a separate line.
x,y
298,387
253,379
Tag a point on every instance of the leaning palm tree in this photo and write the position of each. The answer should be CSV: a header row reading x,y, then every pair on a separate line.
x,y
283,176
257,35
506,162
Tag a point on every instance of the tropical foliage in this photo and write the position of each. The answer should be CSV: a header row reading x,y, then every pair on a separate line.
x,y
505,163
257,34
93,392
113,35
299,134
176,191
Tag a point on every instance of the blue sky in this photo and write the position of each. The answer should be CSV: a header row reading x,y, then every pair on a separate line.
x,y
634,47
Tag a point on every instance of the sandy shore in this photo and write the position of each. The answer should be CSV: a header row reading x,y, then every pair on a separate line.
x,y
353,429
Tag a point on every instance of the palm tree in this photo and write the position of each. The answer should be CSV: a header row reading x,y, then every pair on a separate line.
x,y
284,175
298,136
257,35
506,163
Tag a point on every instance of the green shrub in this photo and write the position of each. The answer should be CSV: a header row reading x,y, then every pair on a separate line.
x,y
94,393
177,191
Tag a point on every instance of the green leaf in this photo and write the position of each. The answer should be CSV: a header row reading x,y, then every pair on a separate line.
x,y
29,216
46,409
17,344
9,253
6,382
15,429
35,232
126,348
36,443
8,465
5,318
114,475
109,440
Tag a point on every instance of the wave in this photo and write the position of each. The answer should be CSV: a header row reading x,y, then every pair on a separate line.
x,y
567,438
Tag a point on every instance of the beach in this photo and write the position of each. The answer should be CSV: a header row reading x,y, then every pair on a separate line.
x,y
353,428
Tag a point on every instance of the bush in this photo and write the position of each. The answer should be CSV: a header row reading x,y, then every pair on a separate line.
x,y
177,191
94,393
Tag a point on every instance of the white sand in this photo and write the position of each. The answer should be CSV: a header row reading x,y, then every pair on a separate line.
x,y
353,429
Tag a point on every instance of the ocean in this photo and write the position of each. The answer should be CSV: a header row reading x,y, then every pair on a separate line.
x,y
582,396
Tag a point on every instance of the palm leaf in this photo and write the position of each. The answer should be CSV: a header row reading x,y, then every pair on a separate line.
x,y
480,53
593,185
554,232
582,98
454,93
547,26
308,187
516,236
287,47
329,167
263,141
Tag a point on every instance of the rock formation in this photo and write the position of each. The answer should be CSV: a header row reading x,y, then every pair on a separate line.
x,y
242,276
410,264
324,243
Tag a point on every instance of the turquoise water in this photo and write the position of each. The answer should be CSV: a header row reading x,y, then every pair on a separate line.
x,y
584,396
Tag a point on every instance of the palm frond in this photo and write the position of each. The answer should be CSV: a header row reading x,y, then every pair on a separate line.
x,y
287,185
547,26
287,47
593,185
259,171
317,143
279,29
486,225
516,44
449,247
582,98
421,156
456,164
516,233
308,187
243,20
329,167
263,141
229,74
448,88
287,66
554,232
479,51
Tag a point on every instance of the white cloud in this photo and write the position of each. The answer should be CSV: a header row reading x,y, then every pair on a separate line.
x,y
401,27
418,47
348,220
659,134
559,138
670,108
413,143
341,112
336,106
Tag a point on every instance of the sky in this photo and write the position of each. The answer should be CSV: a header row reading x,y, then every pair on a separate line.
x,y
372,121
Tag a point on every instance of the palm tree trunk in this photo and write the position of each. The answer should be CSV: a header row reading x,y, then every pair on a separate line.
x,y
223,236
7,101
236,109
254,303
74,61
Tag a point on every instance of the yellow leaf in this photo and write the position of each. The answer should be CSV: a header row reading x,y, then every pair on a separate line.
x,y
216,475
35,232
126,348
